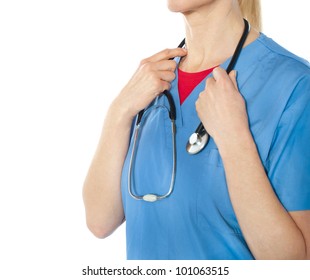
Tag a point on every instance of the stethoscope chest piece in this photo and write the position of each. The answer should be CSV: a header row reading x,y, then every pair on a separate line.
x,y
196,143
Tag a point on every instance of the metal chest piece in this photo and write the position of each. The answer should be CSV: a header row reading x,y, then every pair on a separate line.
x,y
196,143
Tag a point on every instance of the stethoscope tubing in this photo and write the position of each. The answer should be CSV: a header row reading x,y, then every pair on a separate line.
x,y
200,133
151,197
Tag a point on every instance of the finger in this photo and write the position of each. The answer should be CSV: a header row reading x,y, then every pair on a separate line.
x,y
233,78
166,54
169,65
167,76
202,94
209,83
219,73
159,86
165,86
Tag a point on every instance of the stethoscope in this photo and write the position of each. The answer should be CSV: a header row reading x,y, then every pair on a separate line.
x,y
196,142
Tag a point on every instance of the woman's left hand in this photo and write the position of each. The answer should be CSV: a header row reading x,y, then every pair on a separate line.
x,y
221,108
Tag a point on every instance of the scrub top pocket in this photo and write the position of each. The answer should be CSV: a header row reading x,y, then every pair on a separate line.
x,y
214,208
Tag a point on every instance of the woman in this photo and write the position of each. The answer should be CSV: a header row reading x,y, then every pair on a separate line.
x,y
247,194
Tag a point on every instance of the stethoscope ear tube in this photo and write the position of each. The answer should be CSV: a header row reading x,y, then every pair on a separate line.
x,y
199,139
172,113
238,50
181,45
139,117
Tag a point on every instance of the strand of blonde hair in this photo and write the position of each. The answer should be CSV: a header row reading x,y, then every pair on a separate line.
x,y
251,10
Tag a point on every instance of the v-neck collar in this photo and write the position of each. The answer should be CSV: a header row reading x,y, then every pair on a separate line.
x,y
245,60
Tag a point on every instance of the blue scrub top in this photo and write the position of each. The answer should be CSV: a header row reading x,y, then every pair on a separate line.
x,y
198,221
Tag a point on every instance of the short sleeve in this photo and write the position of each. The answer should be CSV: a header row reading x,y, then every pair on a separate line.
x,y
288,163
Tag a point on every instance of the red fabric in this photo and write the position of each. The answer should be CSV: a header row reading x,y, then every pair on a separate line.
x,y
188,81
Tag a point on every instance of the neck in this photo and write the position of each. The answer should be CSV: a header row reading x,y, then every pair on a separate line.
x,y
212,34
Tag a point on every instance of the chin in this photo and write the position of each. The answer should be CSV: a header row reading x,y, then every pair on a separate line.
x,y
176,6
184,6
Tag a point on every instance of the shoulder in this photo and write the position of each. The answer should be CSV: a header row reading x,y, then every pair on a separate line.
x,y
285,73
282,54
265,62
286,65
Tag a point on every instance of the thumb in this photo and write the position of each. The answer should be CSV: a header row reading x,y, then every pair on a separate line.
x,y
233,77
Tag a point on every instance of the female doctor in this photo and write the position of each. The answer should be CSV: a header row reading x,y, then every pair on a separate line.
x,y
247,194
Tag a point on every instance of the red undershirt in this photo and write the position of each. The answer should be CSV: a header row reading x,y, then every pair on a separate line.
x,y
188,81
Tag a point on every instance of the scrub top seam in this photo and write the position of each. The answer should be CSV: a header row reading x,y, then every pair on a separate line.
x,y
268,159
287,55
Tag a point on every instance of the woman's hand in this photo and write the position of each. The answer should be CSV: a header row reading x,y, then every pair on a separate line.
x,y
153,76
221,108
102,187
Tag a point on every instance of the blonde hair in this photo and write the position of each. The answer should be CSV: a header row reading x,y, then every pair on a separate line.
x,y
251,10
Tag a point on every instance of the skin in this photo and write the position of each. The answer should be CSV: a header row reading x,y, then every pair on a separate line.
x,y
102,187
270,231
213,28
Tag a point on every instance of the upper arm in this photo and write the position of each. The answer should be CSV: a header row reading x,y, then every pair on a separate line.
x,y
289,156
290,159
302,220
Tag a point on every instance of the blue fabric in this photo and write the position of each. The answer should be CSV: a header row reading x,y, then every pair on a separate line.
x,y
197,221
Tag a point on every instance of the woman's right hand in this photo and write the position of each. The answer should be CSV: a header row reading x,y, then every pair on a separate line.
x,y
153,76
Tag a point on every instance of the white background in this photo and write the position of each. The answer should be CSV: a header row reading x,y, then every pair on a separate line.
x,y
61,64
